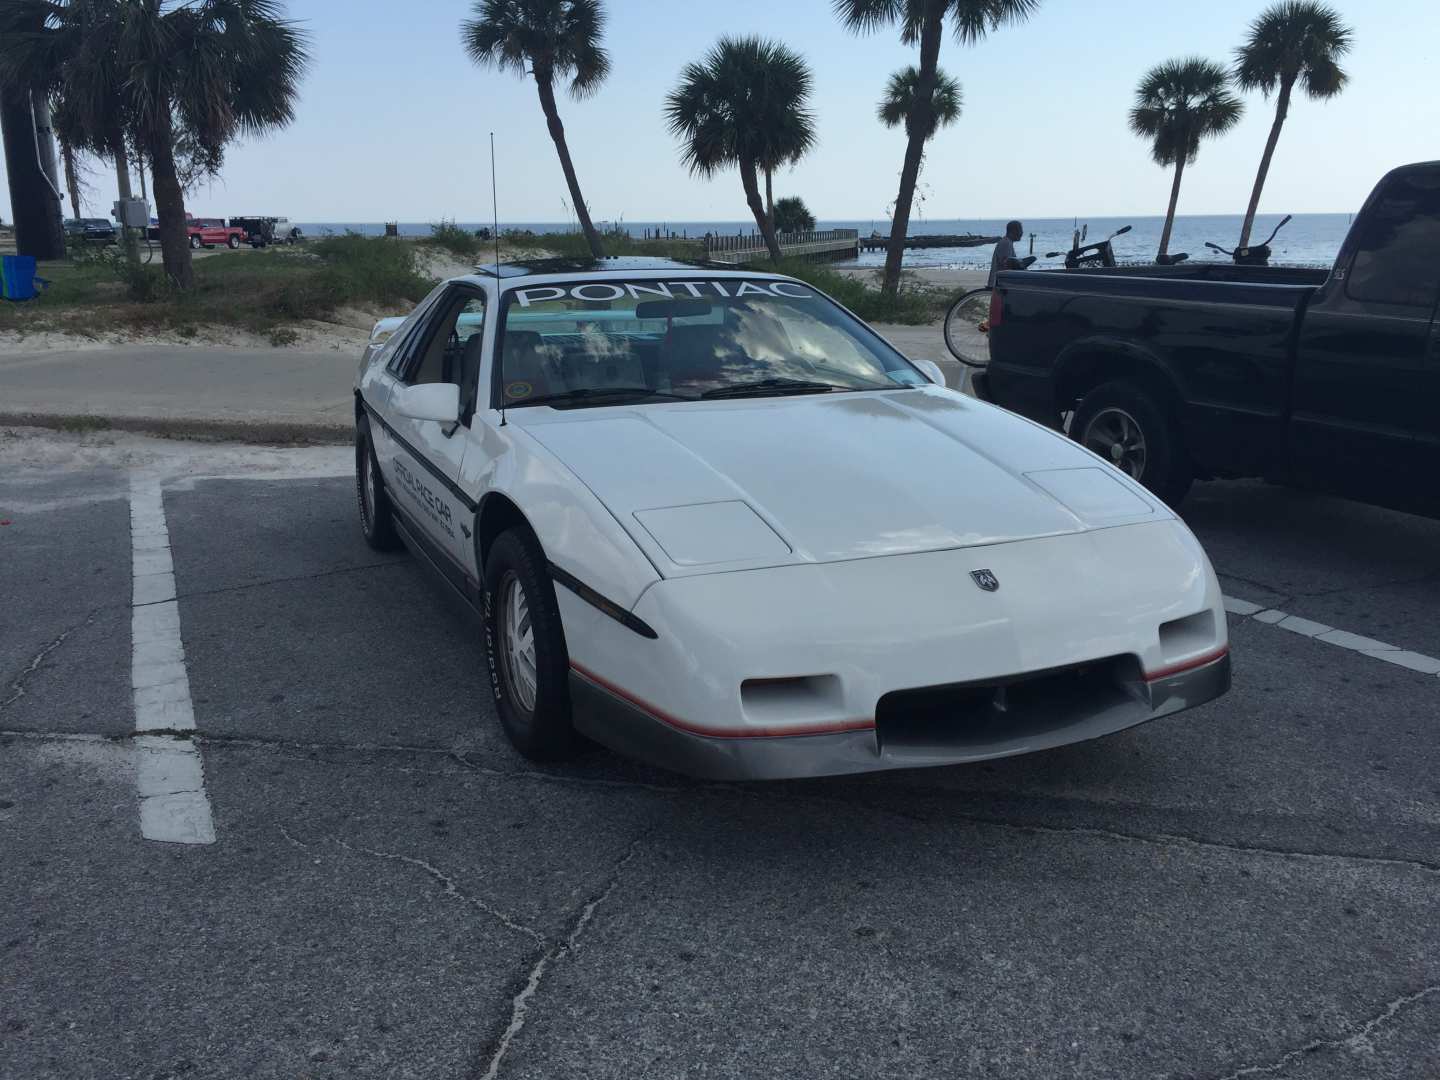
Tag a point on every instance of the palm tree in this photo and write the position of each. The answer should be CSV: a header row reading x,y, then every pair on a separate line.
x,y
545,39
1292,41
898,106
792,215
202,71
922,22
744,104
1177,104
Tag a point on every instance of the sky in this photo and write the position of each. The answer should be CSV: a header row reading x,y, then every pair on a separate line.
x,y
393,120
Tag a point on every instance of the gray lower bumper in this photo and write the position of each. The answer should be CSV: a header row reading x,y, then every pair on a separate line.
x,y
626,728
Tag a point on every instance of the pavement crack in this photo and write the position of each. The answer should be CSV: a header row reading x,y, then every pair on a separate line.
x,y
1355,1041
17,686
450,888
520,1004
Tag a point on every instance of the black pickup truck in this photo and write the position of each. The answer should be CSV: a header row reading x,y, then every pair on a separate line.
x,y
1324,380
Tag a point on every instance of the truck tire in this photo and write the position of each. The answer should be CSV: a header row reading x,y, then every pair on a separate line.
x,y
525,646
194,242
1127,425
233,242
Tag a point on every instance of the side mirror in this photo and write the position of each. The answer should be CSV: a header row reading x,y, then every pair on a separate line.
x,y
429,401
931,370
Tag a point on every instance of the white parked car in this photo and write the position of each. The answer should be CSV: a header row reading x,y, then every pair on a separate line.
x,y
714,521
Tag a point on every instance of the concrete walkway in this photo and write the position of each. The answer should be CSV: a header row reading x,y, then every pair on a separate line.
x,y
262,395
280,394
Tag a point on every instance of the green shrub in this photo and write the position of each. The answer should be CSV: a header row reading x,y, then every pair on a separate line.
x,y
455,240
915,304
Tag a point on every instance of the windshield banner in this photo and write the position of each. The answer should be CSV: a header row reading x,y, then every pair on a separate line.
x,y
600,291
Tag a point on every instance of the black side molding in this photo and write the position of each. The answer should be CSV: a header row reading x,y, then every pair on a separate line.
x,y
601,603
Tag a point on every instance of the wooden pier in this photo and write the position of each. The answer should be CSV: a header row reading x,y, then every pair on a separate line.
x,y
876,242
750,247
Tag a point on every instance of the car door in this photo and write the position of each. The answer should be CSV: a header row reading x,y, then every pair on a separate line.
x,y
1363,400
421,460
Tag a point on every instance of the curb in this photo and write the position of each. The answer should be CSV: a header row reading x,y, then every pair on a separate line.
x,y
266,432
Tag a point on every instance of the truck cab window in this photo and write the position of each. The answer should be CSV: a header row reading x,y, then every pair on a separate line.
x,y
1397,254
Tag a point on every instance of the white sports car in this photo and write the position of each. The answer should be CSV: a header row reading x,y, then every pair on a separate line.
x,y
714,521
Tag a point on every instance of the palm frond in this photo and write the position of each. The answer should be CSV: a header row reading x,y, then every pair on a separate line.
x,y
901,103
1181,102
1294,40
973,19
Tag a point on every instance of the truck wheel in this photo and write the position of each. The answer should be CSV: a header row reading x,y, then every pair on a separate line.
x,y
233,242
377,524
1125,424
194,243
525,645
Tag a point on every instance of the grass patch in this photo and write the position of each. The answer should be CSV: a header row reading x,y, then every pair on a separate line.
x,y
457,241
572,245
916,304
264,292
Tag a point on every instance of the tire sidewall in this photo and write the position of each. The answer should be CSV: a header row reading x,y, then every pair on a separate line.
x,y
376,523
194,243
233,243
1167,469
544,733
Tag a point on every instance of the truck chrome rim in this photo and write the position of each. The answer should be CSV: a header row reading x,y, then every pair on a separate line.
x,y
1114,435
517,641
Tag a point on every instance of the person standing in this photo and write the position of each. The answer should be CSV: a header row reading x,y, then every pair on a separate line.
x,y
1004,257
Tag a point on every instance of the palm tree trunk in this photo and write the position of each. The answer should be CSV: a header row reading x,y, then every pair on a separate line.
x,y
1282,109
35,209
122,188
545,83
72,177
920,123
170,208
752,198
769,196
1170,214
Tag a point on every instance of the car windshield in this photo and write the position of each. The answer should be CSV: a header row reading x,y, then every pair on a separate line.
x,y
595,342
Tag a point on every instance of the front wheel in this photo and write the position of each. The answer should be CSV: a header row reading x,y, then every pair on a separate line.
x,y
194,243
233,243
1125,424
967,328
525,645
377,521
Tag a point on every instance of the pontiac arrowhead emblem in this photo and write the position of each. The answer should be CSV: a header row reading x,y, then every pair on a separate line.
x,y
986,579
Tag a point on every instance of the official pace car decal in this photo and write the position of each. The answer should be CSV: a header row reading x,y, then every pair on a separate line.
x,y
694,290
433,506
518,390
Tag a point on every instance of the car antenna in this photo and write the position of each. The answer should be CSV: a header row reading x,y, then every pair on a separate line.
x,y
495,220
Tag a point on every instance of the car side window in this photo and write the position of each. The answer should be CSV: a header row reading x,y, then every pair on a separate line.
x,y
446,348
1396,260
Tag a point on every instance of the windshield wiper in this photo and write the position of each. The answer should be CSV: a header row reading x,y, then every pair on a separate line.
x,y
763,387
594,393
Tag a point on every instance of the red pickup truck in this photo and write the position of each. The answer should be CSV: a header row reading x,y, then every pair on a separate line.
x,y
207,232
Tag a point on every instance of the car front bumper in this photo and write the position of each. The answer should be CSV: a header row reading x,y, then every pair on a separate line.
x,y
606,714
902,661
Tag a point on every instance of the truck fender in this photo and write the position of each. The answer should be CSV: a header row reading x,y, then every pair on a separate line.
x,y
1084,364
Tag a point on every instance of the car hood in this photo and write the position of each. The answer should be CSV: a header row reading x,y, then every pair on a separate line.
x,y
737,484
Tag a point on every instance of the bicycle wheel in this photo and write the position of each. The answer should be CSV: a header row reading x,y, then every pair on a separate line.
x,y
967,328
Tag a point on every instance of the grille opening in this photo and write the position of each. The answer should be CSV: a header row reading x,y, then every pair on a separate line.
x,y
978,713
1180,639
792,698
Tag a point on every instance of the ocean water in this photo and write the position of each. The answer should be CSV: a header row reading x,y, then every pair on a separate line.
x,y
1308,240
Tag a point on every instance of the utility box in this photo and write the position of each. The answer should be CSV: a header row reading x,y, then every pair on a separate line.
x,y
131,213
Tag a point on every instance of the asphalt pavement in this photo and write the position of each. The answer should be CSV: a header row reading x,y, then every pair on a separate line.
x,y
1245,890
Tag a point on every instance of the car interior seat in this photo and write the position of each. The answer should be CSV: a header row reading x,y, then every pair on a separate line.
x,y
524,367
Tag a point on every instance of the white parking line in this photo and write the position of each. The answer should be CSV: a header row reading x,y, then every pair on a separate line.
x,y
1341,639
169,774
